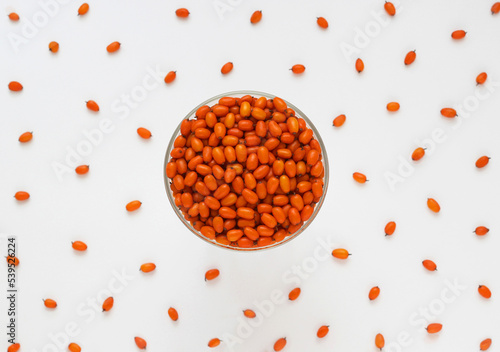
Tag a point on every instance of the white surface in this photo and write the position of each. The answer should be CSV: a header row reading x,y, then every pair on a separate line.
x,y
124,167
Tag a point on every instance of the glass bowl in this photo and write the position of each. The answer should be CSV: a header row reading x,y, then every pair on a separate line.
x,y
298,113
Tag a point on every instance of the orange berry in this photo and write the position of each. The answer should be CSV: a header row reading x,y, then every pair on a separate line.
x,y
12,260
481,230
14,347
170,77
172,313
486,343
13,16
389,8
133,205
410,57
390,228
482,162
79,246
214,342
449,112
73,347
82,169
434,328
280,344
460,34
294,294
228,67
481,78
92,105
495,8
21,195
359,177
108,304
144,132
379,341
340,253
249,313
50,303
429,265
418,154
360,65
111,48
15,86
323,331
374,292
484,291
83,9
256,17
140,342
182,13
211,274
339,120
54,47
297,69
322,22
26,137
433,205
393,106
148,267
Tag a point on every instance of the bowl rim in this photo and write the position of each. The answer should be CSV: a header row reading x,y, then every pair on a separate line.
x,y
316,135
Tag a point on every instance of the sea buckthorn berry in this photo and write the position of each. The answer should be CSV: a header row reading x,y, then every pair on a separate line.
x,y
339,120
211,274
226,68
12,260
459,34
393,106
359,177
481,230
484,291
148,267
495,8
410,57
323,331
82,169
434,328
389,8
379,341
433,205
140,342
73,347
92,105
322,22
170,77
182,13
113,47
144,133
481,78
21,195
390,228
418,154
360,65
108,304
297,69
50,303
83,9
172,313
374,292
294,294
15,86
486,343
26,137
429,265
256,17
482,162
341,253
13,16
79,246
280,344
214,342
249,313
133,205
54,47
449,112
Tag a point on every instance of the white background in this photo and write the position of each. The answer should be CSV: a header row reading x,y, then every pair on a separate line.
x,y
123,168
